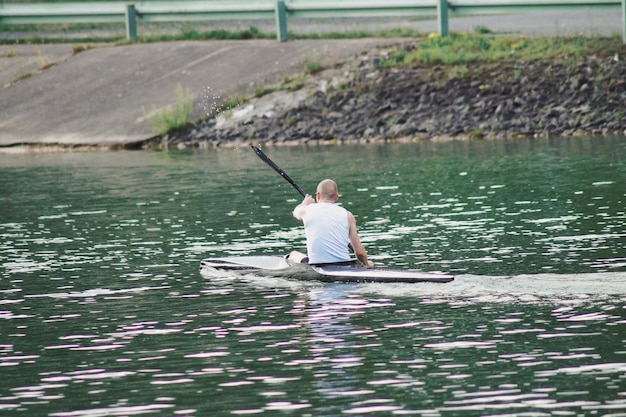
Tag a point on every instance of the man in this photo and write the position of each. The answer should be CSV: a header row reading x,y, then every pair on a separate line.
x,y
329,228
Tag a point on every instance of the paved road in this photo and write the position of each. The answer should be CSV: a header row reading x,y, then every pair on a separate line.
x,y
98,97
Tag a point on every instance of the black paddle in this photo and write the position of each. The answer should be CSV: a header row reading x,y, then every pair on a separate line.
x,y
276,168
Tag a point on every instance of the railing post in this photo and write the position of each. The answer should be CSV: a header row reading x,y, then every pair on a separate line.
x,y
281,21
131,22
624,21
442,17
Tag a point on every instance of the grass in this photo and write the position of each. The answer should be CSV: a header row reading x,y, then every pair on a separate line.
x,y
462,49
313,67
171,119
188,33
115,33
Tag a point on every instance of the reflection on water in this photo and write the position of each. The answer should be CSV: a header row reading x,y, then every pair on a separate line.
x,y
104,311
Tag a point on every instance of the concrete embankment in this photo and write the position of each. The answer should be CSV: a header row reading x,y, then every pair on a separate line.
x,y
100,97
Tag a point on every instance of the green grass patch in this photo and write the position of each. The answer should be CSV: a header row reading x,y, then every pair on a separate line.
x,y
172,118
232,102
461,49
192,34
312,68
360,34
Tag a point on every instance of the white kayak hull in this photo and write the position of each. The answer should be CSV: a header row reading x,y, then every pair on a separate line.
x,y
279,266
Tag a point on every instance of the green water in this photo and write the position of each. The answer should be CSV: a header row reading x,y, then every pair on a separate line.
x,y
103,310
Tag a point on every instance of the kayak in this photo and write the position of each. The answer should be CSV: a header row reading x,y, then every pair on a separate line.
x,y
282,267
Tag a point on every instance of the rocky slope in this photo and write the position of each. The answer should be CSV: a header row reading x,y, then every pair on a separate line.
x,y
365,102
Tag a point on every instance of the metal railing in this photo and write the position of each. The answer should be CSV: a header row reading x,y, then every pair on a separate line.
x,y
280,10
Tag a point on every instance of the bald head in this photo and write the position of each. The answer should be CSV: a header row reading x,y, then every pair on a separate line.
x,y
327,190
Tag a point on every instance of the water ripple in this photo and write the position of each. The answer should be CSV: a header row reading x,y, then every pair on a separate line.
x,y
128,410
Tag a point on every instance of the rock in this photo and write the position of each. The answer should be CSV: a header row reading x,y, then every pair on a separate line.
x,y
364,103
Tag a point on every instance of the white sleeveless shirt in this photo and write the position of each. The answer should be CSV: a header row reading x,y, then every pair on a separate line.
x,y
326,228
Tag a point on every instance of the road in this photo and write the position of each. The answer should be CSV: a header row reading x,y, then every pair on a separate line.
x,y
100,96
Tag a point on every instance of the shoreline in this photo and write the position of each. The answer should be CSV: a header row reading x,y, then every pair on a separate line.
x,y
359,102
60,148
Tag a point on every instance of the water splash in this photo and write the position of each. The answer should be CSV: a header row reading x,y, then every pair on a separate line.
x,y
210,101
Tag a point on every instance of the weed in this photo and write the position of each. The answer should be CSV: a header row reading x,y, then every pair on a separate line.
x,y
397,56
21,77
262,90
457,49
172,119
475,134
190,33
76,49
44,61
458,71
312,68
482,30
295,85
231,103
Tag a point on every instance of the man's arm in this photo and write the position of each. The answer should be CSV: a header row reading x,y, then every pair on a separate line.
x,y
355,241
300,211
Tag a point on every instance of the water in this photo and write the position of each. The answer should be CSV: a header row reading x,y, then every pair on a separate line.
x,y
103,311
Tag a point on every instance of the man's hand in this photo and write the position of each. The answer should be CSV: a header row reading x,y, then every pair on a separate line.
x,y
308,199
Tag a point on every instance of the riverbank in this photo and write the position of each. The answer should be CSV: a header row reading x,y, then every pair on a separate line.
x,y
84,97
364,101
